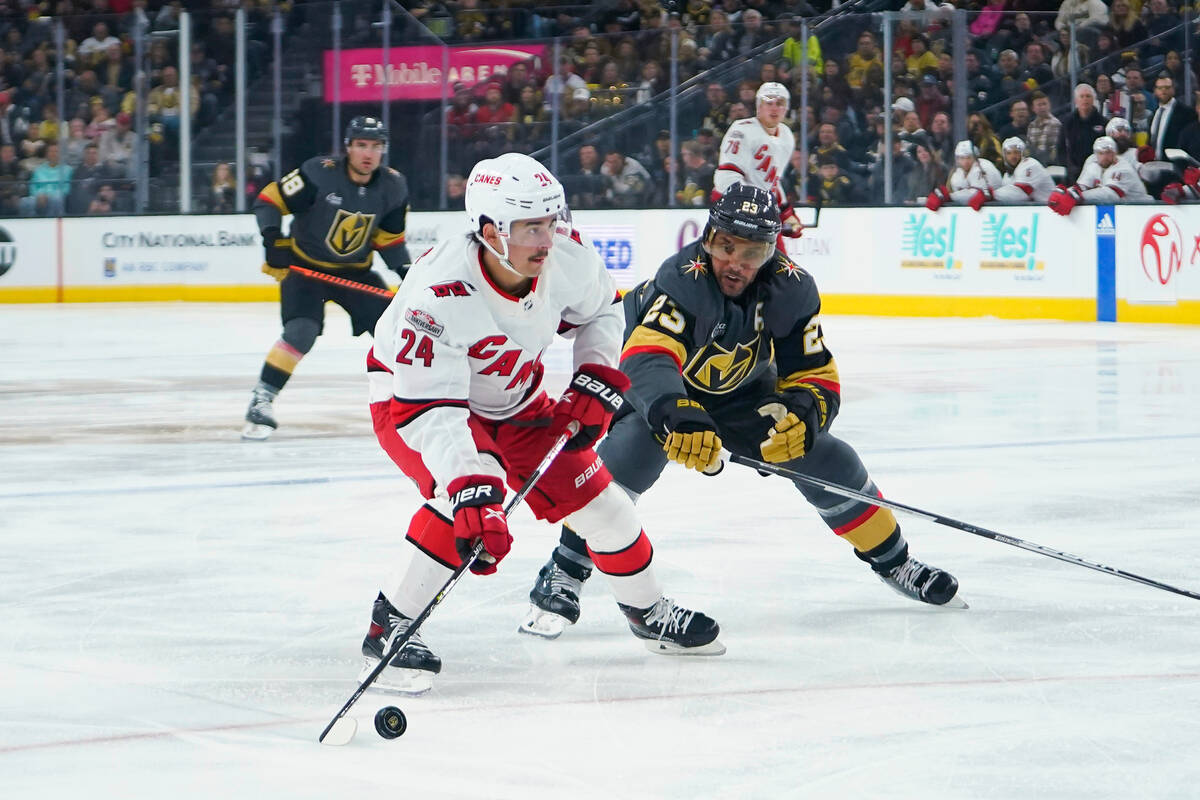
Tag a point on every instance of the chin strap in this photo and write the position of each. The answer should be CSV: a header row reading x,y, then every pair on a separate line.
x,y
503,257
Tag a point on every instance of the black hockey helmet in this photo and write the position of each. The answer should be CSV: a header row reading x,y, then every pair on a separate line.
x,y
746,212
366,128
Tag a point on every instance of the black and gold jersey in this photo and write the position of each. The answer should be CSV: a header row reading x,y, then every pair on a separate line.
x,y
337,223
684,336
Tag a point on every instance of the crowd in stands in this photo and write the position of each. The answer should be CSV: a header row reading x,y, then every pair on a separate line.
x,y
90,169
1128,57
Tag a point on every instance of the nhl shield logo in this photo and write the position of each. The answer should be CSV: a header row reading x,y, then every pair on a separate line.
x,y
8,252
349,230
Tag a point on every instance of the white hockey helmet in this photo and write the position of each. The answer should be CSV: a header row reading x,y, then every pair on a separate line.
x,y
965,149
1104,143
509,188
1117,124
1013,143
771,90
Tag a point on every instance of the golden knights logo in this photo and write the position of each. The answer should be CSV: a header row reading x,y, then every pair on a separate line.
x,y
718,371
349,232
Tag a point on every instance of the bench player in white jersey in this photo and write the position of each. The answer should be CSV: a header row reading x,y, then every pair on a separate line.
x,y
1025,179
756,151
972,183
457,402
1119,182
1117,128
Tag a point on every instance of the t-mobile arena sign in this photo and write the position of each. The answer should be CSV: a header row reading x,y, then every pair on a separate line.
x,y
415,73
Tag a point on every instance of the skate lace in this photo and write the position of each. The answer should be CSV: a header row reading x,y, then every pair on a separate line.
x,y
673,618
400,627
261,402
907,573
561,581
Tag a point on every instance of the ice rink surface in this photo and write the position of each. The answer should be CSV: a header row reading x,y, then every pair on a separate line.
x,y
181,611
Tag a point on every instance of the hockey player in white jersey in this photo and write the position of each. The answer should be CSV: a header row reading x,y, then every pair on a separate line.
x,y
972,183
1119,182
457,402
755,152
1025,179
1119,131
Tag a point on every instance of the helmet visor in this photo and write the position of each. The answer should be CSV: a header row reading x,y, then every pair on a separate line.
x,y
735,248
537,232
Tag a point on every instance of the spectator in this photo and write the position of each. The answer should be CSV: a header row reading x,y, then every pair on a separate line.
x,y
863,63
941,138
106,201
1173,66
1112,103
1082,127
929,173
1135,83
652,82
1127,29
911,131
630,181
833,188
1164,26
562,80
1018,121
1169,120
716,116
754,32
532,121
1139,119
587,186
222,193
721,43
1084,13
796,51
163,101
1036,72
828,144
116,145
1065,57
12,181
930,100
85,180
114,70
900,107
101,121
979,130
1043,131
902,167
920,62
48,186
1008,78
697,176
515,81
456,192
76,142
92,48
927,13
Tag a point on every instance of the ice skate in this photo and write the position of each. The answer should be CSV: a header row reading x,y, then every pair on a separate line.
x,y
554,601
412,670
260,416
920,581
671,629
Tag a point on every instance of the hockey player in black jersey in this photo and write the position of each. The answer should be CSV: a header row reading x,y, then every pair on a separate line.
x,y
343,210
724,347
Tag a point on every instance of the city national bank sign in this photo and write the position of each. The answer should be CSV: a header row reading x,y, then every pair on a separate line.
x,y
416,72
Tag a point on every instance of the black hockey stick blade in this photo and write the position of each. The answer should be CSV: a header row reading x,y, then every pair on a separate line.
x,y
833,488
341,728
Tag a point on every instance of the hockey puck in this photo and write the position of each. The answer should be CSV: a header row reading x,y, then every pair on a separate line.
x,y
390,722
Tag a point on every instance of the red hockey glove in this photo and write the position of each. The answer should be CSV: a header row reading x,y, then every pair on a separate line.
x,y
937,198
1191,176
791,224
1062,199
1145,153
592,398
979,198
1175,193
478,514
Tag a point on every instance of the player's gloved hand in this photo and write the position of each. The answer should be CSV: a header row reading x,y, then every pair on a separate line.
x,y
1062,199
591,399
792,228
937,198
277,250
688,434
979,198
1172,193
478,514
793,425
1191,176
1145,153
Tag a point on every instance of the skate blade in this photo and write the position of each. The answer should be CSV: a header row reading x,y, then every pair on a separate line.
x,y
545,624
713,648
955,602
254,432
341,733
396,680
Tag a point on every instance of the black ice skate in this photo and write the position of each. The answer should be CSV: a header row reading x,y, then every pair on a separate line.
x,y
554,600
260,416
922,582
671,629
413,668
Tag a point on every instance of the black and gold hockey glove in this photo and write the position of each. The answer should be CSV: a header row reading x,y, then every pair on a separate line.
x,y
687,433
277,252
793,425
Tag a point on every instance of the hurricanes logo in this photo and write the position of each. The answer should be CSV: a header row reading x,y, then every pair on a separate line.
x,y
717,371
8,252
349,230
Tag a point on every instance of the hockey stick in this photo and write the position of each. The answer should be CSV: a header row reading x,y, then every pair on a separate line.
x,y
833,488
343,727
343,282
